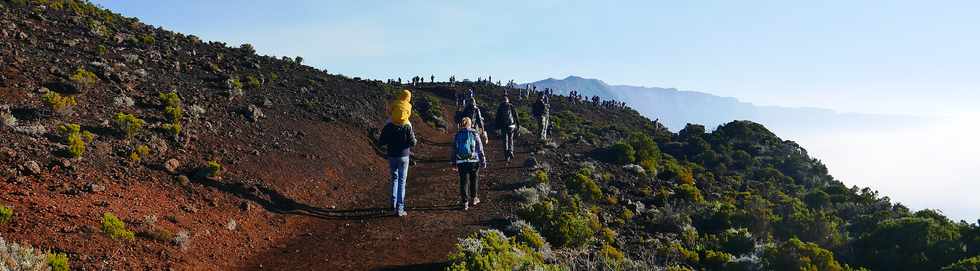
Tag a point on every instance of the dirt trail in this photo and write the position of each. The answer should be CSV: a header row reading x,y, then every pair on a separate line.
x,y
360,232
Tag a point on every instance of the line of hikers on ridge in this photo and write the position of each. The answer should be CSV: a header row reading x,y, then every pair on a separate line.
x,y
467,152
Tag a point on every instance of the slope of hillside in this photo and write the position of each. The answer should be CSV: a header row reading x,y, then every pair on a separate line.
x,y
226,160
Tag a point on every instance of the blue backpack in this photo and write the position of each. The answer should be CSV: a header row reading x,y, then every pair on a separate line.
x,y
466,146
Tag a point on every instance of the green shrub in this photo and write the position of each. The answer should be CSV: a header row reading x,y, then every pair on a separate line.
x,y
148,40
968,264
173,111
491,250
609,235
253,81
565,226
6,214
58,262
716,260
138,153
622,153
214,168
689,192
587,188
115,228
798,255
235,83
611,257
58,103
540,176
128,124
627,214
529,236
676,172
84,77
76,139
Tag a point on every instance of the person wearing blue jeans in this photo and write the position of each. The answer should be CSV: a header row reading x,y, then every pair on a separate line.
x,y
399,137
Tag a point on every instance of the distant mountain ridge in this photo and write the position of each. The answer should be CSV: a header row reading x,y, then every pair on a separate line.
x,y
675,108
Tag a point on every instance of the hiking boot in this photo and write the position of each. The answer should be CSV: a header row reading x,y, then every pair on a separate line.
x,y
402,213
476,201
466,206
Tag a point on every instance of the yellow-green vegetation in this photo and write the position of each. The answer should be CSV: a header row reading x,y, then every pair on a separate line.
x,y
253,81
968,264
148,39
529,236
115,228
689,192
490,250
540,176
76,139
139,152
128,124
59,103
563,223
84,77
798,255
214,168
58,262
608,235
173,111
583,184
6,214
612,257
627,214
235,83
716,260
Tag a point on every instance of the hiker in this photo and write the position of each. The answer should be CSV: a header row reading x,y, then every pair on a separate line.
x,y
507,124
468,158
472,111
398,136
540,111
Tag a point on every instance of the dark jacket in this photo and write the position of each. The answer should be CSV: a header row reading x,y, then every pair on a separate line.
x,y
540,109
507,115
398,138
472,112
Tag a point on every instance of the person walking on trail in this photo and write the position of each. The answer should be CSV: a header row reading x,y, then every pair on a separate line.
x,y
507,123
398,137
540,110
472,111
467,159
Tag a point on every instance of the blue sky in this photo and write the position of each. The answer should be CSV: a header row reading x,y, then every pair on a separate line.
x,y
898,57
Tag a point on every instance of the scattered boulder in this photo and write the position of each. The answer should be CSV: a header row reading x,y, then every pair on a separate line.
x,y
266,103
6,118
182,180
245,206
63,87
95,188
123,102
635,169
171,166
253,113
197,111
32,167
231,225
35,130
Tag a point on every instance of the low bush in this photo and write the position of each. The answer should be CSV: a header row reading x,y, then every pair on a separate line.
x,y
58,103
58,262
583,185
253,81
716,260
622,153
173,111
968,264
612,258
76,139
214,168
492,250
567,225
689,192
6,214
115,228
139,152
84,77
128,124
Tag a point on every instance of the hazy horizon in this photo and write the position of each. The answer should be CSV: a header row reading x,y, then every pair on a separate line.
x,y
894,58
